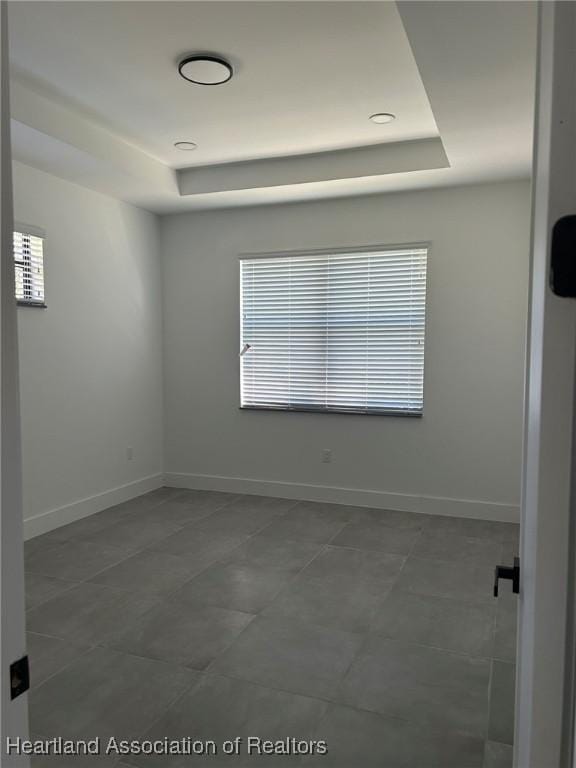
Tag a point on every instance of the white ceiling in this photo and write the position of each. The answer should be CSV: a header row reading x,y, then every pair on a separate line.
x,y
97,97
308,75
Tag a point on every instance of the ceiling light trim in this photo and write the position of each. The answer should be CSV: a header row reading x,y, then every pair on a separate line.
x,y
185,146
202,57
382,118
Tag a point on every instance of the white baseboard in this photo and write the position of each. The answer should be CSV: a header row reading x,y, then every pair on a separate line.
x,y
430,505
54,518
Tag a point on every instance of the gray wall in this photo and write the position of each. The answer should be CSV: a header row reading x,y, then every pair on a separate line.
x,y
91,364
462,457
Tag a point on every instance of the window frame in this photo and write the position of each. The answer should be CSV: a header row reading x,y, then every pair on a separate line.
x,y
365,248
29,229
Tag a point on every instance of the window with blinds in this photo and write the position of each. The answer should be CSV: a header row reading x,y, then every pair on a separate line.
x,y
339,332
29,268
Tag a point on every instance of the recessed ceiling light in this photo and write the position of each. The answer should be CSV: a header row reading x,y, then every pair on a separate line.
x,y
382,117
205,70
186,146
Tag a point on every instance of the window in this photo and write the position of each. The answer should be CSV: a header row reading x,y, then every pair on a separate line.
x,y
335,332
29,268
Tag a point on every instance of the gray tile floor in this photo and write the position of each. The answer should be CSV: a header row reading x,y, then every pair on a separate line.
x,y
202,614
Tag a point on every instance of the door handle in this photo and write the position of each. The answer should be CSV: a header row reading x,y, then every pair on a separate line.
x,y
511,572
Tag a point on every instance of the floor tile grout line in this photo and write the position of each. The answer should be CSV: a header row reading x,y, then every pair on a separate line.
x,y
147,548
259,614
219,559
163,599
362,644
248,535
180,527
322,550
370,633
89,580
335,702
495,621
410,556
95,515
68,664
489,692
483,539
226,504
427,520
260,532
465,563
407,557
195,684
439,648
209,514
86,580
72,585
120,518
204,674
328,702
455,563
102,646
394,584
291,579
130,555
171,594
107,643
267,524
227,646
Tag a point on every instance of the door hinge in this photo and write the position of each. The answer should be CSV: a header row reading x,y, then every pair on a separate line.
x,y
19,677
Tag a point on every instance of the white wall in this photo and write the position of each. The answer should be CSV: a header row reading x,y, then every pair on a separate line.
x,y
91,364
462,457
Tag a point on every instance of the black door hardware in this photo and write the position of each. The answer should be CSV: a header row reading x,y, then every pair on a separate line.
x,y
19,677
511,572
563,257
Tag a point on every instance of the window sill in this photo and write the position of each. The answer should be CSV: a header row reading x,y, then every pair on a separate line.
x,y
336,411
33,304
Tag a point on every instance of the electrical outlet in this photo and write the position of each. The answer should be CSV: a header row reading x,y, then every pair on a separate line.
x,y
327,456
129,453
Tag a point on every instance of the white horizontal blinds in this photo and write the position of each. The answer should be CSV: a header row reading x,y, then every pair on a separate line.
x,y
340,332
29,267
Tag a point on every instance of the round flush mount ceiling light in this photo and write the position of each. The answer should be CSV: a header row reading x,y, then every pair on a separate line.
x,y
382,117
205,70
185,146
